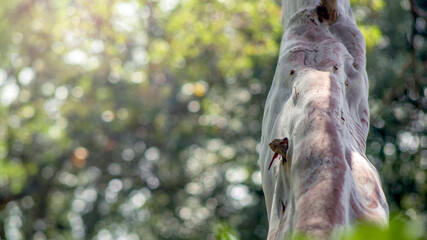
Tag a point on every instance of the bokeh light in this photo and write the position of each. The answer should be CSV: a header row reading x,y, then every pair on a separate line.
x,y
141,119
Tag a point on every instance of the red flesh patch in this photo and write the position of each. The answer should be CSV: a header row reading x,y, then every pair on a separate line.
x,y
272,160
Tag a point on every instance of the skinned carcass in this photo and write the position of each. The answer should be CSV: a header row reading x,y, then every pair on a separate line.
x,y
315,175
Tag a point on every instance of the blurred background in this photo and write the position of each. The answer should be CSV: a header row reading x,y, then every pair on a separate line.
x,y
126,119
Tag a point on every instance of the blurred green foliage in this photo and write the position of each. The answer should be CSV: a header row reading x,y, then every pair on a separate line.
x,y
399,228
224,231
141,119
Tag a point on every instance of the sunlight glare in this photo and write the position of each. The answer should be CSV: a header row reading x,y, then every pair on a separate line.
x,y
9,93
76,57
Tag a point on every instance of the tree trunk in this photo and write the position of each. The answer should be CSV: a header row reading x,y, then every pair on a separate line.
x,y
317,110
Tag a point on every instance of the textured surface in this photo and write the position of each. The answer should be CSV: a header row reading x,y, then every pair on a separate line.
x,y
318,100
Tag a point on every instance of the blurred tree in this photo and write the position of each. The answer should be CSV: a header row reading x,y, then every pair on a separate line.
x,y
140,119
398,88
